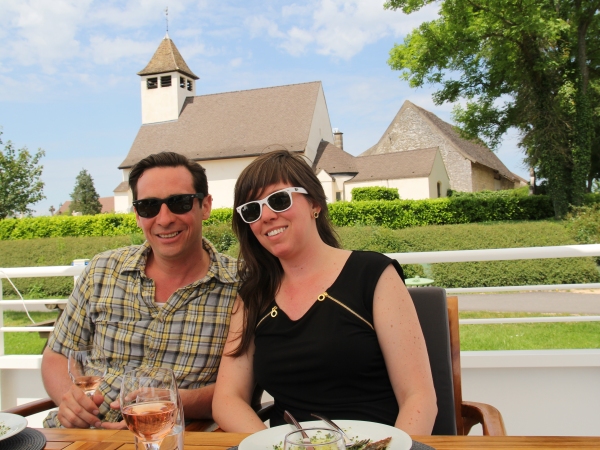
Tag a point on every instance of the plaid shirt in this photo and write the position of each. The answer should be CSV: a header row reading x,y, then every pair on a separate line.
x,y
113,306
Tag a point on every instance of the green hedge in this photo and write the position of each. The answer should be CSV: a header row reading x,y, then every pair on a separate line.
x,y
374,193
479,236
450,210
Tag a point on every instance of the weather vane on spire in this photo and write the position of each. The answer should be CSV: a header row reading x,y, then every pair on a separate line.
x,y
167,18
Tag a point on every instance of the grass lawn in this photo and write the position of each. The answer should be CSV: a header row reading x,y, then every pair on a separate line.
x,y
510,336
24,343
527,336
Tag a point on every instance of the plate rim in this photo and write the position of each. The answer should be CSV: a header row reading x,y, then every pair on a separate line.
x,y
311,423
21,425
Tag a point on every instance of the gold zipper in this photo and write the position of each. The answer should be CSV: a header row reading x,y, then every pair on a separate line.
x,y
272,313
326,295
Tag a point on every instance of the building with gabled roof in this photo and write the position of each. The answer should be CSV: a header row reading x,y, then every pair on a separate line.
x,y
419,154
471,166
223,132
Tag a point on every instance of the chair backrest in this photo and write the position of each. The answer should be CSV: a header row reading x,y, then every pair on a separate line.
x,y
432,309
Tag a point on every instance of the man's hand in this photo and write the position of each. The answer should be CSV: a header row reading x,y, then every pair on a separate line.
x,y
115,425
77,410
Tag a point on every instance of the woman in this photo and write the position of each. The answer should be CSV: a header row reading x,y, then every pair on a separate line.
x,y
323,330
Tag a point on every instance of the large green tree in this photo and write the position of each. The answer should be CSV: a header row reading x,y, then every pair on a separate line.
x,y
531,64
20,183
84,198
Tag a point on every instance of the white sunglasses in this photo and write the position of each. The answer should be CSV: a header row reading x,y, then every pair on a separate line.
x,y
278,201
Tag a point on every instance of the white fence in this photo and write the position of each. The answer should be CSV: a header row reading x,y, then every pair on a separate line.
x,y
542,392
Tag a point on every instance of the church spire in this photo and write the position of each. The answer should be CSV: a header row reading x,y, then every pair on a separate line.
x,y
167,59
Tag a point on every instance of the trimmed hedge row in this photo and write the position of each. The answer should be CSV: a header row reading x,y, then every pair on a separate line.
x,y
449,210
375,193
62,251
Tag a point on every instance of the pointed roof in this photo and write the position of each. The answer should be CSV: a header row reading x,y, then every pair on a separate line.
x,y
471,150
167,59
333,159
233,124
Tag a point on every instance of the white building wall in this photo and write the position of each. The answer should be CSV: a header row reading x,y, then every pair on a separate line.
x,y
438,174
163,104
321,127
329,185
222,175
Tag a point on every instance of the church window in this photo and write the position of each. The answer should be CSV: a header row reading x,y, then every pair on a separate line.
x,y
338,196
182,82
439,189
165,81
152,83
189,85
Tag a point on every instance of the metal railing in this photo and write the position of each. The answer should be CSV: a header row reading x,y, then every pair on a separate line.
x,y
566,251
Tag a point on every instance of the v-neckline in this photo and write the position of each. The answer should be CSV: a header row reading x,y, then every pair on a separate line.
x,y
312,306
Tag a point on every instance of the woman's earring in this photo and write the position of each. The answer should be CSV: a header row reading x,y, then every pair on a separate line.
x,y
316,214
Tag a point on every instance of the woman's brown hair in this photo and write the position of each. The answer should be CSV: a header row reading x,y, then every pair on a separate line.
x,y
260,272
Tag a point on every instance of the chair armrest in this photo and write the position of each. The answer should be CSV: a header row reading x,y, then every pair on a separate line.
x,y
488,416
263,410
30,408
201,425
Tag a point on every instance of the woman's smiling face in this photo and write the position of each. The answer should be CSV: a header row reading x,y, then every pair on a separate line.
x,y
285,233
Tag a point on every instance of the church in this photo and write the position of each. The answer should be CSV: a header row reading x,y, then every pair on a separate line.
x,y
419,154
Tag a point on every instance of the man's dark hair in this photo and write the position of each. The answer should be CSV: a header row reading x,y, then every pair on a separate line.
x,y
168,159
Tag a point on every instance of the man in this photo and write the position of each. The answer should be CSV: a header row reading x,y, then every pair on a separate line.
x,y
164,303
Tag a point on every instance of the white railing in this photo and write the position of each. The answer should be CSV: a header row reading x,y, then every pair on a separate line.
x,y
565,251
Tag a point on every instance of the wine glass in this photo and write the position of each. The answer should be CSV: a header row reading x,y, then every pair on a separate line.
x,y
149,404
87,367
318,439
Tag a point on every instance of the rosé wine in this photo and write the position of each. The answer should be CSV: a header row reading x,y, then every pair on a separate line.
x,y
89,384
150,421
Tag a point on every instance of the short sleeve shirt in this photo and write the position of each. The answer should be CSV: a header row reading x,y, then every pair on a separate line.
x,y
112,305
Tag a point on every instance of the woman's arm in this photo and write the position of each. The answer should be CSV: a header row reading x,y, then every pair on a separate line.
x,y
403,346
235,382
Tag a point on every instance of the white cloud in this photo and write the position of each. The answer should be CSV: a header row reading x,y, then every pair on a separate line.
x,y
107,51
336,28
236,62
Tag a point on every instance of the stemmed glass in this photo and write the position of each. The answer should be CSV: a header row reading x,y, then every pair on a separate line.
x,y
318,439
87,367
149,404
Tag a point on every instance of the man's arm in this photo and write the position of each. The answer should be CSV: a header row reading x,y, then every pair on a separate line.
x,y
75,409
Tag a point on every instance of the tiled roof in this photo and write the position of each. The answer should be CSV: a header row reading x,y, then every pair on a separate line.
x,y
122,187
471,150
397,165
108,205
233,124
167,59
333,159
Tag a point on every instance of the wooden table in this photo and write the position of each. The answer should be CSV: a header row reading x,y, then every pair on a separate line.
x,y
123,440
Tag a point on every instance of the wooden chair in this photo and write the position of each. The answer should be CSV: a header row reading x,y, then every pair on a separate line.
x,y
438,316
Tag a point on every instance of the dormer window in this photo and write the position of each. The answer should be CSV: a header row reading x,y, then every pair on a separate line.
x,y
182,82
189,85
152,83
165,81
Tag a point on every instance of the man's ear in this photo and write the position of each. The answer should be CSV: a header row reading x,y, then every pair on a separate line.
x,y
206,207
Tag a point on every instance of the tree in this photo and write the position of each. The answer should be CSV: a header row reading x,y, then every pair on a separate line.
x,y
84,198
531,64
20,184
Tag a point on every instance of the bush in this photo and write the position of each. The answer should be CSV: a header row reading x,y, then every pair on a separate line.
x,y
451,210
375,193
62,251
479,236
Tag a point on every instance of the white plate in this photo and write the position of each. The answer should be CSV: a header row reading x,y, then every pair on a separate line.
x,y
14,422
266,439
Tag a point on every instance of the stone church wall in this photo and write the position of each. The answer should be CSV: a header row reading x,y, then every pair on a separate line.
x,y
411,131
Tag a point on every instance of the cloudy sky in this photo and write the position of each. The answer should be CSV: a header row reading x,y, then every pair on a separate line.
x,y
68,80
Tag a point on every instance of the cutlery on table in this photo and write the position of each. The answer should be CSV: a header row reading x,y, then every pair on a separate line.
x,y
292,421
350,444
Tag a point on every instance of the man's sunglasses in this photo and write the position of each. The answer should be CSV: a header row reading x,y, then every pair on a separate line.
x,y
177,204
278,202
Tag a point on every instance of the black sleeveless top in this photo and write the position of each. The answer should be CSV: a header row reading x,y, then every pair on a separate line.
x,y
329,360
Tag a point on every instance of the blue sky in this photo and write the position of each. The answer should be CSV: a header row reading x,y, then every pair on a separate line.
x,y
68,80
